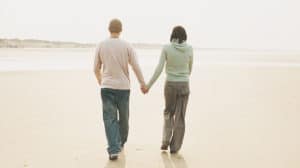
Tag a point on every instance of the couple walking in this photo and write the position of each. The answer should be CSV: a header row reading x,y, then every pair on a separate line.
x,y
112,58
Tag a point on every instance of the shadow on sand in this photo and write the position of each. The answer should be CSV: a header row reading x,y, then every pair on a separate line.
x,y
173,160
169,161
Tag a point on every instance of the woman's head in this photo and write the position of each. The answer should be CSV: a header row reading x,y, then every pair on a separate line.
x,y
178,34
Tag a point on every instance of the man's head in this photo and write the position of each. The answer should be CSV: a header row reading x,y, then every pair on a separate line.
x,y
115,26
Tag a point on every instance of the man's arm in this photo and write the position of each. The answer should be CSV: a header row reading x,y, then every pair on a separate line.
x,y
136,67
97,66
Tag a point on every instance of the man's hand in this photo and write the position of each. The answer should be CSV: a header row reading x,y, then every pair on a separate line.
x,y
144,89
98,76
99,81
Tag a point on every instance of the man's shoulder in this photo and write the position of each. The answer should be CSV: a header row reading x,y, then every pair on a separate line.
x,y
119,42
126,43
99,44
103,42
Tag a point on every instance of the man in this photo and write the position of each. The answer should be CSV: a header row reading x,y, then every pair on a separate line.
x,y
113,56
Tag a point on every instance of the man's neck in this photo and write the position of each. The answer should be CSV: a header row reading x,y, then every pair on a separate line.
x,y
114,35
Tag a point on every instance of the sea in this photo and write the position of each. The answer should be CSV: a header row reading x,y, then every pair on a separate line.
x,y
24,59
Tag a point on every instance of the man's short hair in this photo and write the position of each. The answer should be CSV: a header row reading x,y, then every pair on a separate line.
x,y
115,26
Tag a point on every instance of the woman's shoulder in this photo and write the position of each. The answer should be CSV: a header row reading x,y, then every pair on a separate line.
x,y
167,47
189,46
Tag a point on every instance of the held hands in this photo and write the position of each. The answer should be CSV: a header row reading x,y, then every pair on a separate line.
x,y
144,89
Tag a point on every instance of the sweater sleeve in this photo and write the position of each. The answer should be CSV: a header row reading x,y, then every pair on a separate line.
x,y
97,63
191,61
158,69
135,66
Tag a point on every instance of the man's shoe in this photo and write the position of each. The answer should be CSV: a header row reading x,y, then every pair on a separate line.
x,y
113,156
164,147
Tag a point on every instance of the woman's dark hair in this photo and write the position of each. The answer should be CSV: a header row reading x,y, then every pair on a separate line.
x,y
179,34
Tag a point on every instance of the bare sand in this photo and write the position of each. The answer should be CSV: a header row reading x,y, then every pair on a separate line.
x,y
238,117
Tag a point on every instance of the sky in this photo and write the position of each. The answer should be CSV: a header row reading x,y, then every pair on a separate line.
x,y
252,24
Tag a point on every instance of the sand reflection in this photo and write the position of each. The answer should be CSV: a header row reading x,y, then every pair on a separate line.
x,y
173,161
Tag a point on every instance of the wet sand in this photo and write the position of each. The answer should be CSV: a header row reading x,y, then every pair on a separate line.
x,y
238,116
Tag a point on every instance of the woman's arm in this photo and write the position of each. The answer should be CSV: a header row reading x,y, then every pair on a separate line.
x,y
191,62
158,69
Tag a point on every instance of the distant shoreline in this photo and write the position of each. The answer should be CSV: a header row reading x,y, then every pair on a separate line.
x,y
34,43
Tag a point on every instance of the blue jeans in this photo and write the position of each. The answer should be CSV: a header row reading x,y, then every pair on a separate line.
x,y
115,116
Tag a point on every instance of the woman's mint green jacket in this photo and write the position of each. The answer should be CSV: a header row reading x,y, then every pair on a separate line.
x,y
179,61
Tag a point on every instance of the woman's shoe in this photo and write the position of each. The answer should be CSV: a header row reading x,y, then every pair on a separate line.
x,y
173,151
164,147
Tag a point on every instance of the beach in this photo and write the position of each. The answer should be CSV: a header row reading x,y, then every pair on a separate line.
x,y
239,115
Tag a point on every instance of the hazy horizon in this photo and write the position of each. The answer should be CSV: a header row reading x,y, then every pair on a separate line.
x,y
256,24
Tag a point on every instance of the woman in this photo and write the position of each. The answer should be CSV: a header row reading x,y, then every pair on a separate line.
x,y
178,57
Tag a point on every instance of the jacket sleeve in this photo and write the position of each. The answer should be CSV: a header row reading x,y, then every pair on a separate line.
x,y
191,61
159,68
97,62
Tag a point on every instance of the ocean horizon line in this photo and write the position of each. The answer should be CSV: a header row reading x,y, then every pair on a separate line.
x,y
41,43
